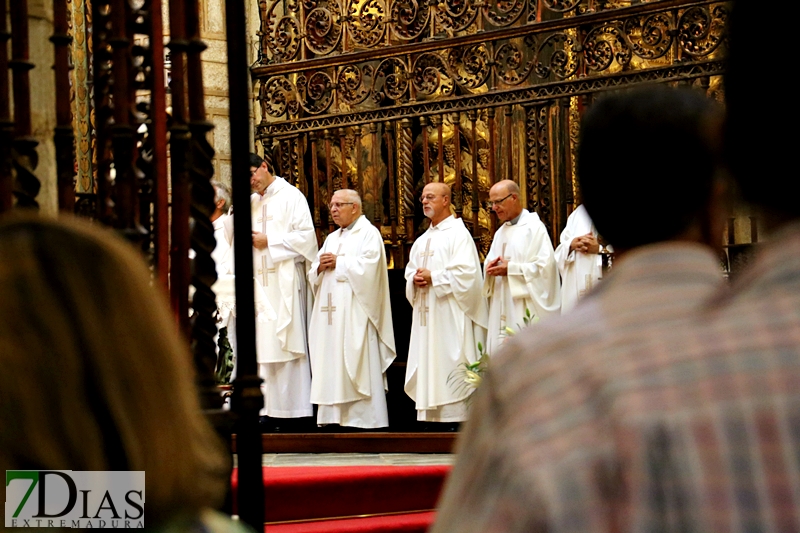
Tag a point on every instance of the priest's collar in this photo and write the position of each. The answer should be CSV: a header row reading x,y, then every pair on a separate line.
x,y
513,221
352,224
272,187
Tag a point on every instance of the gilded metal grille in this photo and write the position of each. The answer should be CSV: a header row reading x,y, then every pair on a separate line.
x,y
386,95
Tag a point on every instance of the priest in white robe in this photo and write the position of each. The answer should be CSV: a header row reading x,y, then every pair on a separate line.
x,y
351,338
284,244
222,255
578,258
521,274
223,229
443,284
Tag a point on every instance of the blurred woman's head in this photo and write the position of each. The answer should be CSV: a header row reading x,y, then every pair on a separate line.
x,y
93,374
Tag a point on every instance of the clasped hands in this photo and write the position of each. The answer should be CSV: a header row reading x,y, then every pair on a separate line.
x,y
327,261
259,240
497,267
585,244
422,277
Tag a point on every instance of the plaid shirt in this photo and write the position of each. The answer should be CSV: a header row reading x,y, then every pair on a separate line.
x,y
646,409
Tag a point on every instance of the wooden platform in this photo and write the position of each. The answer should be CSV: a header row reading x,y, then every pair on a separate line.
x,y
357,442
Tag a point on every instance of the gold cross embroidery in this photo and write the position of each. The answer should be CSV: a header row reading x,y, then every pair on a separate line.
x,y
587,285
423,310
423,313
330,309
499,278
264,271
263,219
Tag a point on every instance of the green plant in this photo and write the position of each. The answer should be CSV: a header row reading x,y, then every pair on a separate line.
x,y
471,374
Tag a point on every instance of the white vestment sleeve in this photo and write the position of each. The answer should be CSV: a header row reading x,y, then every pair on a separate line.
x,y
441,281
460,272
313,277
532,273
411,269
367,275
300,240
563,254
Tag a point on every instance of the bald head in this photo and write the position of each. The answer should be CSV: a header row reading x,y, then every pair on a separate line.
x,y
439,187
507,187
504,197
436,201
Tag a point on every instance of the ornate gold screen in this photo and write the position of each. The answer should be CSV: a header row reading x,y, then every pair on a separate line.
x,y
386,95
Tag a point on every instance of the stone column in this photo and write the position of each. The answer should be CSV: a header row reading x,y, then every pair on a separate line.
x,y
43,104
212,20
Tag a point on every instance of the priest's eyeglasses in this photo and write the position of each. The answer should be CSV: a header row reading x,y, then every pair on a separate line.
x,y
338,205
429,197
491,204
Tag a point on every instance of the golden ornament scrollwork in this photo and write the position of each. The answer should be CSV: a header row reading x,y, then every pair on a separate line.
x,y
351,85
502,13
280,33
701,29
323,27
650,37
431,77
468,92
457,15
366,22
469,65
410,18
315,92
509,62
278,97
391,80
554,57
81,108
605,46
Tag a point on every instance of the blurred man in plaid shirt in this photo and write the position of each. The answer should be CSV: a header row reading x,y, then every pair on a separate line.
x,y
656,406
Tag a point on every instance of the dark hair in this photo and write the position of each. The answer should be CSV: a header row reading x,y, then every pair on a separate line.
x,y
256,160
758,134
646,163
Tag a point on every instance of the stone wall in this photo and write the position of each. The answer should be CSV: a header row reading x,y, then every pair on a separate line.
x,y
215,74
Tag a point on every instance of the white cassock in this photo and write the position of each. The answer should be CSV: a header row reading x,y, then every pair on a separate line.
x,y
532,282
223,251
351,340
450,318
224,288
579,271
280,272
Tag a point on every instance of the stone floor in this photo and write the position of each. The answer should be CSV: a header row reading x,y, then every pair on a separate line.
x,y
356,459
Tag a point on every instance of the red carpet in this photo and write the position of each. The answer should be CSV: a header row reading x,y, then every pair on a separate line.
x,y
403,523
306,499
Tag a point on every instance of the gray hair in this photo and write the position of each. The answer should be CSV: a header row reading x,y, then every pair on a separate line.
x,y
222,192
351,196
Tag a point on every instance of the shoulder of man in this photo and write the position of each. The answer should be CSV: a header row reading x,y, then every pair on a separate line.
x,y
558,337
454,223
